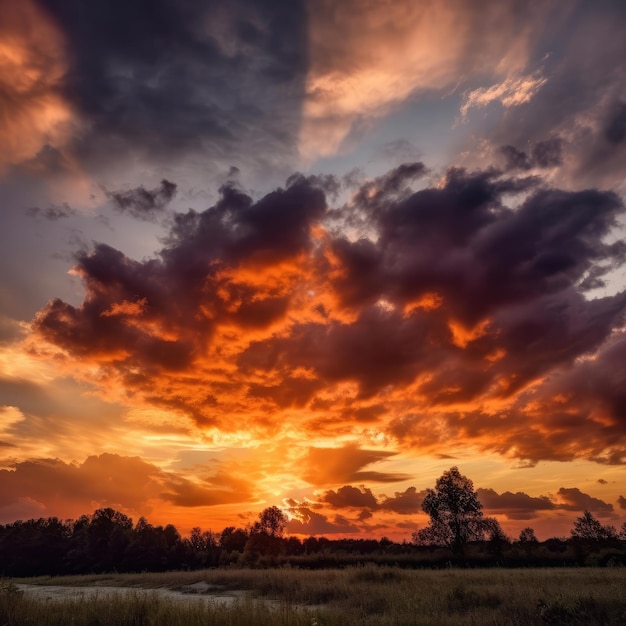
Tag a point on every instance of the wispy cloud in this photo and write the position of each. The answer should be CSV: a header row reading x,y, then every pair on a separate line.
x,y
511,92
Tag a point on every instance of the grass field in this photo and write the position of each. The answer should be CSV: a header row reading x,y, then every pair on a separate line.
x,y
366,595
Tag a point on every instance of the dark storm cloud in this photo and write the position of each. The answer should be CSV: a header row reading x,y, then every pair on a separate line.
x,y
581,100
310,523
517,505
578,410
161,77
52,213
460,241
237,229
138,313
143,203
576,500
615,129
453,293
379,348
406,502
521,269
351,497
583,403
521,506
544,154
291,392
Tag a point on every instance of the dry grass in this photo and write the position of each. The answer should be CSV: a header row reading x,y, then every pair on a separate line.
x,y
367,595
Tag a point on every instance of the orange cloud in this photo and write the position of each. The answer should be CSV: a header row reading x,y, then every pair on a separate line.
x,y
324,466
511,92
32,65
442,330
129,484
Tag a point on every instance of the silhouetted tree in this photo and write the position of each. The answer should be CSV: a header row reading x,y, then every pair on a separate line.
x,y
201,548
145,550
492,531
272,521
294,546
527,535
588,528
233,539
266,534
497,541
311,545
455,513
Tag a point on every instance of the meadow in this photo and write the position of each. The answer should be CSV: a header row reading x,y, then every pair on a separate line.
x,y
366,595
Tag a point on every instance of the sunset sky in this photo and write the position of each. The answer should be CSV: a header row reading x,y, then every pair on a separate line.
x,y
312,254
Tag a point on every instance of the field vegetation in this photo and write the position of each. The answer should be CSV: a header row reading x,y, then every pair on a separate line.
x,y
366,595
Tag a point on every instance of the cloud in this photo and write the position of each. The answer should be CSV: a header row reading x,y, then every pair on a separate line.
x,y
399,151
308,522
544,154
615,128
141,203
518,506
367,59
622,502
52,213
511,92
405,503
572,499
219,489
109,480
35,112
195,79
324,466
581,100
350,497
458,314
127,483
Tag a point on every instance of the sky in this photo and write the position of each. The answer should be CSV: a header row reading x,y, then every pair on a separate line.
x,y
312,254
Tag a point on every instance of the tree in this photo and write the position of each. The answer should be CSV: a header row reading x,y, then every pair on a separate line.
x,y
527,535
455,513
588,528
491,530
272,522
233,539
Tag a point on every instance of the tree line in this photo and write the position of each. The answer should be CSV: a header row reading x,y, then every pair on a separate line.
x,y
457,519
458,532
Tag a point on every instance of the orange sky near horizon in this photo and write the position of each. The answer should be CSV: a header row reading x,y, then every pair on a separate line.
x,y
329,342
